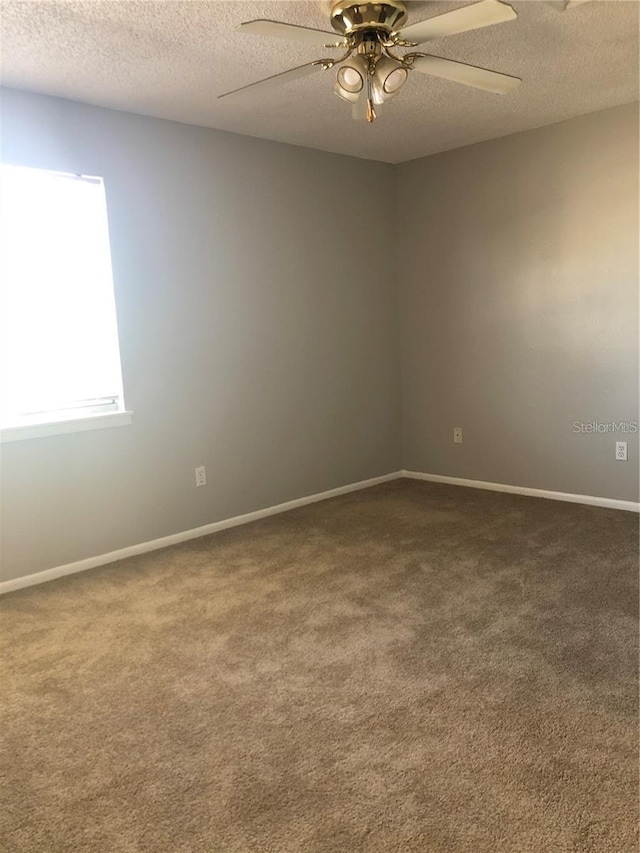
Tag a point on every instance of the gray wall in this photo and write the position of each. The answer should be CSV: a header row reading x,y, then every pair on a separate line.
x,y
258,316
258,326
519,306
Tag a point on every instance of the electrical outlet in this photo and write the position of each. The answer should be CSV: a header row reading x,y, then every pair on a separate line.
x,y
201,476
621,451
457,435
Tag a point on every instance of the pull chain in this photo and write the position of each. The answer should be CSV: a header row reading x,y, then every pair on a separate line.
x,y
371,113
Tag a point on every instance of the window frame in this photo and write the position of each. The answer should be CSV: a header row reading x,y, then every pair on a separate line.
x,y
79,415
124,417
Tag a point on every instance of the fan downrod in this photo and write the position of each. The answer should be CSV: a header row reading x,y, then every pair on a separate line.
x,y
348,17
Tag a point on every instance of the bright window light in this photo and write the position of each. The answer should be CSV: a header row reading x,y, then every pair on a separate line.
x,y
59,354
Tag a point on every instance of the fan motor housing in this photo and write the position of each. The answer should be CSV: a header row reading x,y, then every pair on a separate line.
x,y
349,17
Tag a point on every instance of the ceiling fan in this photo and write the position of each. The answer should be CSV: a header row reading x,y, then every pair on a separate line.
x,y
371,71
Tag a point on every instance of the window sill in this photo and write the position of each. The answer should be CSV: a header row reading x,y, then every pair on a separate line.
x,y
25,431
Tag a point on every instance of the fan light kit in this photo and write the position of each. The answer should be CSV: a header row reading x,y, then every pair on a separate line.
x,y
371,71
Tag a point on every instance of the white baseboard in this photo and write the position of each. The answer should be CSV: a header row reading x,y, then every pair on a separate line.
x,y
195,533
610,503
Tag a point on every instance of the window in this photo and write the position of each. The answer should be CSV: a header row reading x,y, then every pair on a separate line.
x,y
59,353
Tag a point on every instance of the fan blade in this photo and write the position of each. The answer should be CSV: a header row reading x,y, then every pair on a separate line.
x,y
292,32
569,4
472,17
470,75
277,79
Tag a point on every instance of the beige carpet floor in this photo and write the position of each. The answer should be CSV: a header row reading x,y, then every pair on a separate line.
x,y
413,667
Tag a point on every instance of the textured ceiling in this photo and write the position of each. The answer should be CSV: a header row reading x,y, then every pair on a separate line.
x,y
171,59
